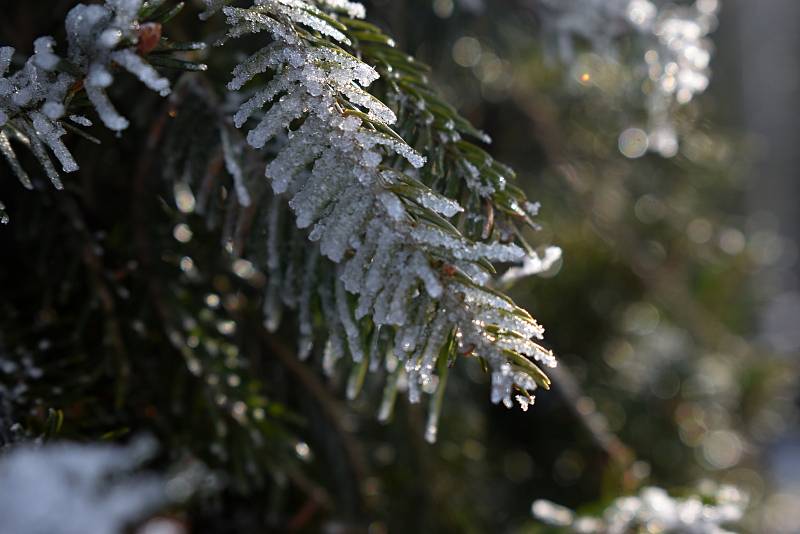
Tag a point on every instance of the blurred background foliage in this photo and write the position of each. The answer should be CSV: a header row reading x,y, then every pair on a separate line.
x,y
656,311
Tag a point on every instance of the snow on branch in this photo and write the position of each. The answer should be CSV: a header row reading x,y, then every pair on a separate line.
x,y
352,181
35,99
67,488
410,266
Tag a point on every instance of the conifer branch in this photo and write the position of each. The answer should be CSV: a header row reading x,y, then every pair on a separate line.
x,y
43,99
401,269
365,199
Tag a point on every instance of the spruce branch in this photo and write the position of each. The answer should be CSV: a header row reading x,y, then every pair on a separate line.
x,y
401,265
404,233
40,102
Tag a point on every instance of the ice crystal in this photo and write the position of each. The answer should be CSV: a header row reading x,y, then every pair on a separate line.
x,y
532,264
232,155
93,32
351,9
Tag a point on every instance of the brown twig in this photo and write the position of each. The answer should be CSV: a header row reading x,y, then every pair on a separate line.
x,y
104,294
331,407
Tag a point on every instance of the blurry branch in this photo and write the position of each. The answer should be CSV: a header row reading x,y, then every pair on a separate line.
x,y
330,406
318,498
97,279
569,389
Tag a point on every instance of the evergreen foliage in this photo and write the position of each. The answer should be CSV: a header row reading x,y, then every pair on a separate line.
x,y
345,173
292,226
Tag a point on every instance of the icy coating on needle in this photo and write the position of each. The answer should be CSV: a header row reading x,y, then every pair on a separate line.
x,y
350,179
32,99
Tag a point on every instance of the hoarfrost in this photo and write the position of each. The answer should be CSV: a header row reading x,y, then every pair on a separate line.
x,y
350,179
32,98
